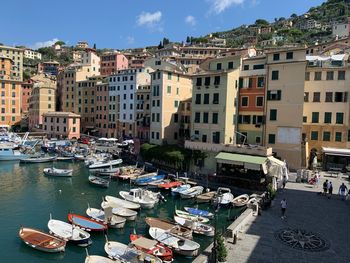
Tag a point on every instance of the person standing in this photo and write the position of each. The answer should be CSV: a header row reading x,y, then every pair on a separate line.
x,y
284,181
330,189
283,208
325,187
342,191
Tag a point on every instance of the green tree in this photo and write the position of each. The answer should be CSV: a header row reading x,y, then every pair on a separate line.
x,y
94,46
293,15
188,39
261,22
60,42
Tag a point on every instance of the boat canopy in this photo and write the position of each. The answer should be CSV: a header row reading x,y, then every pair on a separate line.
x,y
144,243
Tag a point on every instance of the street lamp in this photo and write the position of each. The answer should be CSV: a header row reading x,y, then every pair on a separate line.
x,y
217,208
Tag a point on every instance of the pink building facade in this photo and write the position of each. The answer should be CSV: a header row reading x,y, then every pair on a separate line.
x,y
112,62
61,125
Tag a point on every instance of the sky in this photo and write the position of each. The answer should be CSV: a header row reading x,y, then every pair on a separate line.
x,y
123,24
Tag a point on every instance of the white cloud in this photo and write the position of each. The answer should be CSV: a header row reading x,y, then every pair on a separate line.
x,y
44,43
219,6
190,20
149,19
130,40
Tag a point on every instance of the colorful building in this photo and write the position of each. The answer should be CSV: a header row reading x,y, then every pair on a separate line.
x,y
103,120
61,125
111,62
16,55
143,112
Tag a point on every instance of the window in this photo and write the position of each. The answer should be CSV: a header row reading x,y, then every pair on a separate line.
x,y
274,75
250,83
328,117
341,75
338,136
204,138
314,135
198,99
157,135
218,66
197,117
216,137
169,89
315,116
207,81
274,95
276,57
259,101
318,76
244,102
340,97
206,98
261,81
307,76
348,135
304,119
215,118
245,119
289,55
176,118
306,96
317,96
339,119
216,98
330,75
230,65
199,82
176,103
217,80
273,115
169,75
329,97
258,66
246,67
326,136
272,138
258,139
205,117
74,129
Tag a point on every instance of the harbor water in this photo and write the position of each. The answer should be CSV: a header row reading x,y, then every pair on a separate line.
x,y
27,198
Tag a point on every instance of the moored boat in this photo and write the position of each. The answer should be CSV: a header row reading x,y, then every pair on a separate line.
x,y
240,201
106,217
166,225
98,259
86,223
170,185
128,214
144,180
105,164
98,181
58,172
140,196
69,232
8,152
41,241
152,247
38,159
187,215
179,244
223,196
177,190
197,227
64,158
206,197
115,201
191,192
199,212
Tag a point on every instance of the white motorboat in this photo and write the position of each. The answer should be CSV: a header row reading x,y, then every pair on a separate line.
x,y
122,253
192,192
38,159
223,196
128,214
106,216
179,244
8,152
177,190
58,172
69,232
240,201
79,157
188,216
105,164
98,259
64,158
139,196
115,201
197,227
98,181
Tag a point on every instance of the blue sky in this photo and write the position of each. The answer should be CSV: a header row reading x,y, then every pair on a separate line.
x,y
132,23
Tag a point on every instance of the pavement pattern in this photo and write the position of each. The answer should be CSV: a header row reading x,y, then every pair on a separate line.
x,y
311,220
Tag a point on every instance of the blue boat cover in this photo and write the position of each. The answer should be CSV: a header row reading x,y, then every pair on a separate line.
x,y
86,223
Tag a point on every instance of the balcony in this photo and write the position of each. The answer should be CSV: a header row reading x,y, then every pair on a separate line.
x,y
241,149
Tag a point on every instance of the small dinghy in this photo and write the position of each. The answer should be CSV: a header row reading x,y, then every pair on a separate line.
x,y
240,201
141,197
38,159
166,225
199,212
86,223
41,241
117,202
151,247
188,216
197,227
144,180
223,196
58,172
106,216
69,232
170,185
122,253
191,192
98,259
179,244
98,181
177,190
206,197
128,214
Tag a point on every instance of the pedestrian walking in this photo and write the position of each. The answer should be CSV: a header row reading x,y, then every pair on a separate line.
x,y
330,189
284,181
325,187
342,191
283,208
317,178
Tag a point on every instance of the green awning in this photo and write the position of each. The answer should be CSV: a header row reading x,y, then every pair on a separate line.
x,y
248,161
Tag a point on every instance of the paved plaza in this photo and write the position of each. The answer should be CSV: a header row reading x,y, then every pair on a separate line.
x,y
268,238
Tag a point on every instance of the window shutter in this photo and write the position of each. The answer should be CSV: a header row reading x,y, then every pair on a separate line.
x,y
254,119
345,96
279,94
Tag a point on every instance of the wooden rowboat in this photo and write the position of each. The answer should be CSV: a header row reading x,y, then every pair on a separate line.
x,y
206,197
171,227
41,241
240,201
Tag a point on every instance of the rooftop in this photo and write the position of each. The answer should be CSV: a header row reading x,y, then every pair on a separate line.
x,y
60,114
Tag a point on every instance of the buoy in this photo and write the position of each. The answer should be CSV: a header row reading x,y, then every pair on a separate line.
x,y
82,193
60,191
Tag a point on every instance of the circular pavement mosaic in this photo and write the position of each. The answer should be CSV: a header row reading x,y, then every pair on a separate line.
x,y
302,239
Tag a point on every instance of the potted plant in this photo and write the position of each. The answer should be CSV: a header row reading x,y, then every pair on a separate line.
x,y
221,249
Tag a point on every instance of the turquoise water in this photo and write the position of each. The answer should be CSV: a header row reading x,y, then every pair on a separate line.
x,y
27,198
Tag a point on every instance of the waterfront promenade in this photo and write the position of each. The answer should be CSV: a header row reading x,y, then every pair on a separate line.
x,y
326,219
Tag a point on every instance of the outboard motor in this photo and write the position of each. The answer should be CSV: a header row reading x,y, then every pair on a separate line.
x,y
161,197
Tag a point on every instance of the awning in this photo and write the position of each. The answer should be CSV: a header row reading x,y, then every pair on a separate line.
x,y
336,151
275,160
248,161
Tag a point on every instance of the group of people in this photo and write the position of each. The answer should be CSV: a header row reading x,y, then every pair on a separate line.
x,y
328,190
